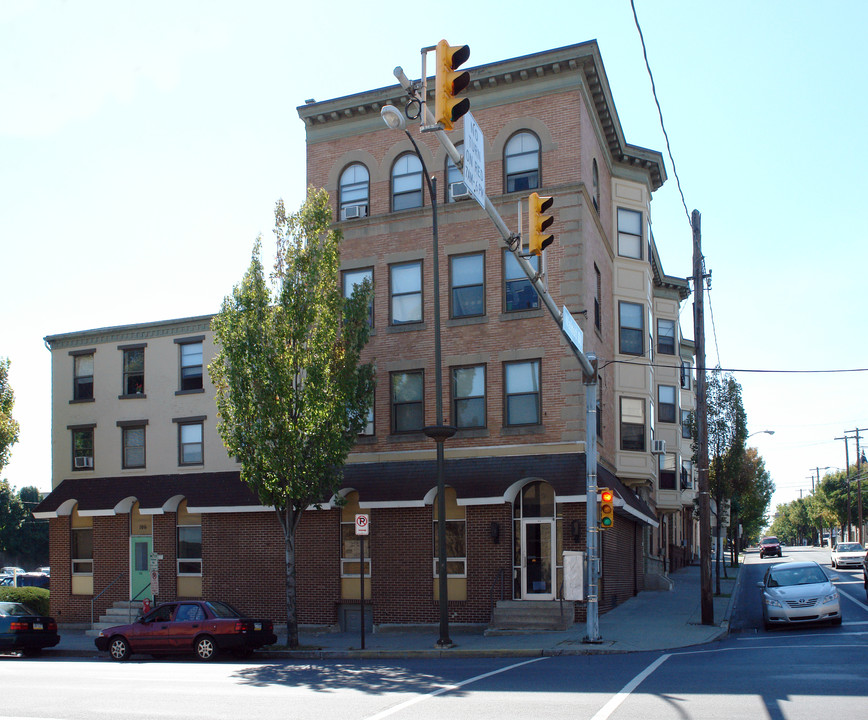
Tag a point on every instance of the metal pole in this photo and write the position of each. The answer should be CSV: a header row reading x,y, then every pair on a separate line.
x,y
362,593
592,624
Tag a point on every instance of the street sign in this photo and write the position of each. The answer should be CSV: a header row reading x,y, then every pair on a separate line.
x,y
155,582
572,330
474,160
362,525
152,560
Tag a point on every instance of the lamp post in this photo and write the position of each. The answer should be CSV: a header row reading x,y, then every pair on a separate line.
x,y
760,432
439,432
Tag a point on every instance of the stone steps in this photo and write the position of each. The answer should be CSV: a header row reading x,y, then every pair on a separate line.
x,y
517,616
121,612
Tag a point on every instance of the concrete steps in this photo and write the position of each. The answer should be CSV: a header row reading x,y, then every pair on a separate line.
x,y
121,612
520,616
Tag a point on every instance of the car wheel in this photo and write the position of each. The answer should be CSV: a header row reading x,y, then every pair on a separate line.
x,y
119,648
837,621
834,567
206,648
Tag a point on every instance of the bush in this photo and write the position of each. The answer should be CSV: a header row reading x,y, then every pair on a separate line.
x,y
33,597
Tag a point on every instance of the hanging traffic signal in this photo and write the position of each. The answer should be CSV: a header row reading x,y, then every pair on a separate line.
x,y
539,240
607,508
448,83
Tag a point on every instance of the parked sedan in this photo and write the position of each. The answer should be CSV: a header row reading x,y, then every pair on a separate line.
x,y
201,627
799,592
847,554
22,630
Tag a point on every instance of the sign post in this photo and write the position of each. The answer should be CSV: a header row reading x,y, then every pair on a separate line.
x,y
362,529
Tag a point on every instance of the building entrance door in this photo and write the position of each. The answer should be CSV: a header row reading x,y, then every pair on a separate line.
x,y
141,547
538,558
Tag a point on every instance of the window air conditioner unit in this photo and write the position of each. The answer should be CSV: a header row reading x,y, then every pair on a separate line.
x,y
458,191
658,447
84,462
355,211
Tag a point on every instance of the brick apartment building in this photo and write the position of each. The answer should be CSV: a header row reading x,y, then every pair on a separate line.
x,y
138,467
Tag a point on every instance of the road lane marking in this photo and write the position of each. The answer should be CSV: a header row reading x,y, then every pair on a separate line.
x,y
850,597
615,702
448,688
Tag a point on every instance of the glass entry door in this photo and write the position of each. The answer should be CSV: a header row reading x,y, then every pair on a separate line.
x,y
537,558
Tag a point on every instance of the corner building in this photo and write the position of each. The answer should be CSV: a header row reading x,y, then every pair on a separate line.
x,y
514,470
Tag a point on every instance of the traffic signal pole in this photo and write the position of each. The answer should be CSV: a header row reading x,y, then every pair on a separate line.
x,y
587,362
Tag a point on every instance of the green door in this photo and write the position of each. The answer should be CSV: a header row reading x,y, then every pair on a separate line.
x,y
141,547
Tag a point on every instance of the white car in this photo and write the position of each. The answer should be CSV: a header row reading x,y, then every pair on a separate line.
x,y
847,554
798,592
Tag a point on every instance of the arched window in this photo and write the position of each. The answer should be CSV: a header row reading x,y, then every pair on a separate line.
x,y
522,162
354,190
596,180
453,175
406,183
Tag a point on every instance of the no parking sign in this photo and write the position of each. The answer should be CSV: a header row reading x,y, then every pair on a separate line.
x,y
362,525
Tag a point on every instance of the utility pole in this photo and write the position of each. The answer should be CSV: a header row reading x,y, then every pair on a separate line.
x,y
706,598
847,465
846,439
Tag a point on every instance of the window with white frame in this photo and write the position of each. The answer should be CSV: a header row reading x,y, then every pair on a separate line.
x,y
191,446
667,471
82,376
405,286
467,285
522,385
191,365
353,191
81,550
134,372
631,328
522,162
350,549
456,537
132,444
82,447
406,182
632,424
630,233
686,424
520,293
408,401
665,336
666,404
468,396
354,278
190,546
453,176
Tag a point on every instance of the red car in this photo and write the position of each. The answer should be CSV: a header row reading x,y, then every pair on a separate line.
x,y
201,627
770,546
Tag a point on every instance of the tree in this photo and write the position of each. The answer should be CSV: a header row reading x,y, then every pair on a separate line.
x,y
753,493
292,393
8,425
12,514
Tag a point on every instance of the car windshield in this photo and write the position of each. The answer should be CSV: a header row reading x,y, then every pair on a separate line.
x,y
223,610
14,609
770,541
797,576
848,547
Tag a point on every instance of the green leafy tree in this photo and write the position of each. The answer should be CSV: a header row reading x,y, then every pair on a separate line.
x,y
292,392
8,425
753,494
12,514
32,538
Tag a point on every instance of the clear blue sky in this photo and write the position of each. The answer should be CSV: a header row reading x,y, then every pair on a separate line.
x,y
142,147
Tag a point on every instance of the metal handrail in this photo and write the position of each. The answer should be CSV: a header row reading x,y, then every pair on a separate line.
x,y
94,599
133,599
501,576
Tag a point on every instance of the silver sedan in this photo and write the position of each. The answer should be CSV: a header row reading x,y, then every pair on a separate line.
x,y
799,592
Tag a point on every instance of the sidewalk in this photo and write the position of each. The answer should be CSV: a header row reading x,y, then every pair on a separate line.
x,y
653,620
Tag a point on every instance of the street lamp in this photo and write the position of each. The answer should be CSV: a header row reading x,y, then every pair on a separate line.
x,y
394,118
760,432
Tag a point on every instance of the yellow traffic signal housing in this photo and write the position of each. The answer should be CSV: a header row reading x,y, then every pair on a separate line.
x,y
448,83
607,508
539,240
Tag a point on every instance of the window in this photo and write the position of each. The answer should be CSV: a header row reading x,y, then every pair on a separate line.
x,y
630,233
595,171
632,328
190,442
82,448
520,292
82,377
686,475
632,424
666,403
408,404
667,471
467,283
468,396
133,444
522,393
352,278
191,366
598,298
456,537
453,174
406,289
685,376
522,162
369,425
354,188
81,549
190,547
134,371
350,548
406,183
686,424
665,336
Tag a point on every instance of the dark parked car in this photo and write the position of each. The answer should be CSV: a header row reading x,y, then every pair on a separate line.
x,y
201,627
22,630
770,546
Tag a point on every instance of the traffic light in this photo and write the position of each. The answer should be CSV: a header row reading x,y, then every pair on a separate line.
x,y
447,109
539,240
607,508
